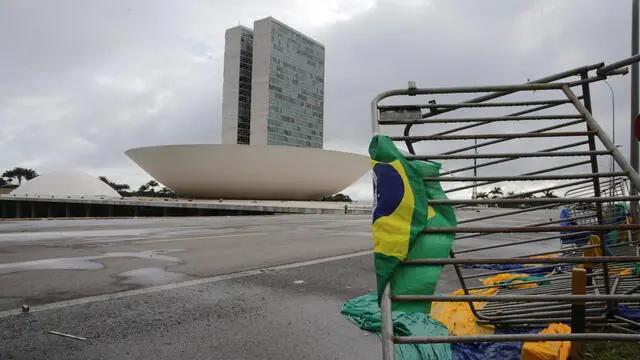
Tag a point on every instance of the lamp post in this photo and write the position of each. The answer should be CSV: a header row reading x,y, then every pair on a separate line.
x,y
633,142
635,32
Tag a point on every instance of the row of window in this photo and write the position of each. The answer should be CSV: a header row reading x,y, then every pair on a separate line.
x,y
307,127
290,67
310,130
316,93
292,137
282,33
284,141
304,112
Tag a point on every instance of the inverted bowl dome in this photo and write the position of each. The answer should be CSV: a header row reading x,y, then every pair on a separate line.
x,y
250,172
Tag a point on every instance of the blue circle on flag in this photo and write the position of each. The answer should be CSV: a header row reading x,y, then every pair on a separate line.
x,y
388,190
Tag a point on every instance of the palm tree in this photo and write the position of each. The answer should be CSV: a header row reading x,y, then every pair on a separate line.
x,y
19,174
122,189
482,195
152,184
143,189
496,192
166,192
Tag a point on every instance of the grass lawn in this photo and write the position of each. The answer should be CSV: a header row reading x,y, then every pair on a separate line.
x,y
612,350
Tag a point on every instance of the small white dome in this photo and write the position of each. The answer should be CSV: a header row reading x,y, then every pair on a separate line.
x,y
65,183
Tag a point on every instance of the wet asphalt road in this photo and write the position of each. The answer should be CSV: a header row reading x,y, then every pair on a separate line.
x,y
268,316
150,312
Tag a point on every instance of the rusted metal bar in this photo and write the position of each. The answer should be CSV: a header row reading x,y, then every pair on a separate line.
x,y
532,201
522,177
546,79
586,93
528,229
493,142
620,159
474,105
576,249
514,298
605,70
475,119
578,310
532,192
506,136
561,147
499,215
515,243
563,260
509,155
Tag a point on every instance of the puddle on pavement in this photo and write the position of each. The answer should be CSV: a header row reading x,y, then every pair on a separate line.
x,y
151,276
85,262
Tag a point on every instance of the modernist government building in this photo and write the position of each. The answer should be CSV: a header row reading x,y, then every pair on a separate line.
x,y
272,130
273,86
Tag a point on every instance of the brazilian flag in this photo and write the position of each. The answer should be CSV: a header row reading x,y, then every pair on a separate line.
x,y
401,211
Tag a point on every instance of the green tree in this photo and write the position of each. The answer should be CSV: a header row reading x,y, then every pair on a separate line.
x,y
122,189
166,192
148,189
19,174
482,195
496,192
338,198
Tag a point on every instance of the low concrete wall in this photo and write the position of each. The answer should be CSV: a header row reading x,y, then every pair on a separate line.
x,y
13,207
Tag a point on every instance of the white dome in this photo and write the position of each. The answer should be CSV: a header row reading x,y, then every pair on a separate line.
x,y
250,172
65,183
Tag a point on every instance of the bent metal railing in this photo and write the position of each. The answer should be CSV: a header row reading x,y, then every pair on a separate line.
x,y
554,144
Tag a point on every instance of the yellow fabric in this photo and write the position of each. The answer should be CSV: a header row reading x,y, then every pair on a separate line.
x,y
507,277
548,350
391,234
457,316
548,256
593,241
431,212
626,272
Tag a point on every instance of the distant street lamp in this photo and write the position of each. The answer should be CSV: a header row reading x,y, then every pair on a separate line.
x,y
635,94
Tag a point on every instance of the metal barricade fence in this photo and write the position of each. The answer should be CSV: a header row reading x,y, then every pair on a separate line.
x,y
480,147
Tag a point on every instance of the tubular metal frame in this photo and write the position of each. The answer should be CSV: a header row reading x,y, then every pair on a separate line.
x,y
590,194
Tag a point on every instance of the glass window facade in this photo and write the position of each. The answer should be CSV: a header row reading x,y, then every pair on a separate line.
x,y
244,93
296,90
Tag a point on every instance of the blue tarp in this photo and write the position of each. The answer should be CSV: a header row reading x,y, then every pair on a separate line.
x,y
490,350
579,240
522,269
626,312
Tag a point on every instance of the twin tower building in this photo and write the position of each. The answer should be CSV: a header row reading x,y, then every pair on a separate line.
x,y
273,86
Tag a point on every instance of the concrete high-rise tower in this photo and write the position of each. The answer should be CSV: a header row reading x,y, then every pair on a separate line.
x,y
236,87
286,92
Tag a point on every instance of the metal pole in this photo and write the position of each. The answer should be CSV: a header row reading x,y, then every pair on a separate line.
x,y
388,346
474,195
633,143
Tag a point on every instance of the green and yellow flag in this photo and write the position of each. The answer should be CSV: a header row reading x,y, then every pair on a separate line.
x,y
400,213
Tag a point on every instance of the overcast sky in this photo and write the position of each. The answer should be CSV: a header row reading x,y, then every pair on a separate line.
x,y
83,81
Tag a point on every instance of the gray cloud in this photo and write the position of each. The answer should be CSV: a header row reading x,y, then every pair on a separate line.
x,y
80,83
